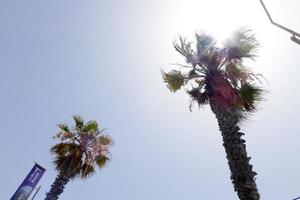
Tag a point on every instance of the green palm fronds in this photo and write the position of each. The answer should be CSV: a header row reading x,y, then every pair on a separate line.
x,y
250,95
78,122
102,160
105,140
174,80
91,126
64,127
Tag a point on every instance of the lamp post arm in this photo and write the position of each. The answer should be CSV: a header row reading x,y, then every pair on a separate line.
x,y
294,33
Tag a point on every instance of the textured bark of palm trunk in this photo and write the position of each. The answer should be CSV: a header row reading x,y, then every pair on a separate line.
x,y
57,187
242,175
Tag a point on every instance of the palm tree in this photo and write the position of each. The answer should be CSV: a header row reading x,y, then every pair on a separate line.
x,y
78,153
215,75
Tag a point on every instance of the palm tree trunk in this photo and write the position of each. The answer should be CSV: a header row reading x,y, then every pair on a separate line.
x,y
242,175
57,187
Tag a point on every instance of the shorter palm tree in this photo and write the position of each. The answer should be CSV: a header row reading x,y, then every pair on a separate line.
x,y
78,153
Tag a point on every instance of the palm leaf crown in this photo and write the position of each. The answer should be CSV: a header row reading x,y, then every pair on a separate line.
x,y
81,148
216,74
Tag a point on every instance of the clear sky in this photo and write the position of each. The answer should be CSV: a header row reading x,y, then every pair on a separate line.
x,y
102,60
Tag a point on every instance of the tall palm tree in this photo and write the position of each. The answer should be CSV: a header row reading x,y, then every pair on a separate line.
x,y
78,153
215,75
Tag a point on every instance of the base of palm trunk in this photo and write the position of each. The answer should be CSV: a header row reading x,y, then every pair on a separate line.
x,y
242,175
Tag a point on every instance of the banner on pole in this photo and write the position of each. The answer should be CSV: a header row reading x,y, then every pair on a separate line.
x,y
29,183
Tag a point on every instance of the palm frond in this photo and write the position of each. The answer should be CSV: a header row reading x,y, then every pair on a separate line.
x,y
242,44
87,170
64,133
102,160
233,68
105,139
233,73
174,80
63,127
184,48
201,98
250,95
91,126
214,59
62,149
68,158
78,122
75,162
238,73
204,42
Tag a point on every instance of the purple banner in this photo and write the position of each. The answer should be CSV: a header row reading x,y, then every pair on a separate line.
x,y
29,183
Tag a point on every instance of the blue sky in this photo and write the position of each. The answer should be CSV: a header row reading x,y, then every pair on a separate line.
x,y
102,60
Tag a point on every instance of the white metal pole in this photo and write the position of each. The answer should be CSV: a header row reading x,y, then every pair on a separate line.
x,y
295,36
38,189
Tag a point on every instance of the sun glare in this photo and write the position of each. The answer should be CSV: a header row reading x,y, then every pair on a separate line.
x,y
218,17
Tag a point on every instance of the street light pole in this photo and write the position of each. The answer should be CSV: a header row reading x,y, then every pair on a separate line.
x,y
295,36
